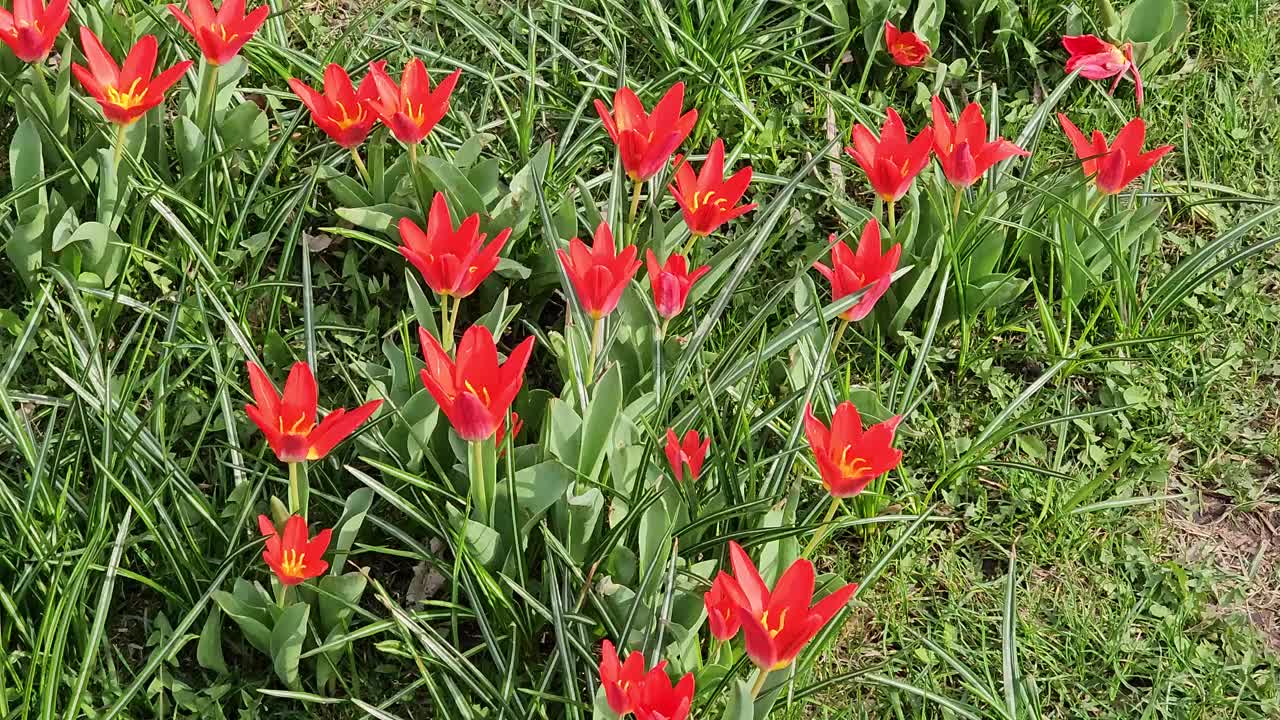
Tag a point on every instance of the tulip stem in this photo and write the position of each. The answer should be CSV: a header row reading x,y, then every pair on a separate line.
x,y
893,221
822,529
636,188
360,167
121,130
688,247
835,342
755,689
282,598
597,337
208,98
295,496
955,206
479,483
446,322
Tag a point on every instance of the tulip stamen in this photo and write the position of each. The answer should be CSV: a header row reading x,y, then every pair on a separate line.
x,y
293,563
127,99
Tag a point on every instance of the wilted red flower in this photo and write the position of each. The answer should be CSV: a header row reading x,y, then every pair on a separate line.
x,y
628,688
849,458
671,283
476,391
220,34
127,93
868,268
962,148
410,109
644,140
292,557
890,161
691,451
706,199
1096,59
722,603
601,274
340,111
777,624
290,422
31,29
906,48
1118,165
516,426
452,262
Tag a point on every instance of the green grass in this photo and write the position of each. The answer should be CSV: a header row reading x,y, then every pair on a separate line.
x,y
132,477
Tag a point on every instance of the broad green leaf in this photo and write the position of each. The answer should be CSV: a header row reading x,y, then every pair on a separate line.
x,y
380,218
286,642
26,165
460,192
740,705
584,515
602,413
1147,20
338,596
251,623
348,526
209,649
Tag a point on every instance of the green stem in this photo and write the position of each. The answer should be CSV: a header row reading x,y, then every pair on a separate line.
x,y
479,489
597,333
282,598
636,187
447,321
46,95
955,206
360,167
688,247
835,342
662,331
755,689
822,529
121,131
208,98
893,221
295,495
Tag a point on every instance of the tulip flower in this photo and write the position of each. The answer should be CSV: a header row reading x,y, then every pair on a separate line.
x,y
778,623
476,391
125,93
292,557
722,602
891,161
706,199
410,109
340,110
867,268
645,141
691,451
906,48
1114,167
629,688
1097,59
849,458
221,34
453,262
599,275
31,29
962,148
671,283
289,423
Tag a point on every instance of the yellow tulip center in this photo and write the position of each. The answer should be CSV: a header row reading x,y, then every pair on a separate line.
x,y
293,563
131,98
774,630
300,426
851,466
344,119
482,393
706,198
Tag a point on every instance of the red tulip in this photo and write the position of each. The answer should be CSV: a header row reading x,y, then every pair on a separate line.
x,y
906,48
691,451
778,628
1119,165
292,557
706,199
671,283
452,262
31,29
220,35
290,423
890,161
962,148
476,391
868,268
629,688
411,109
849,458
340,111
1096,59
644,140
599,275
516,426
125,93
722,603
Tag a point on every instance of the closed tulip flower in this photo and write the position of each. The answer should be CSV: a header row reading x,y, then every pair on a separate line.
x,y
600,274
868,268
221,34
129,92
906,48
671,283
453,261
691,452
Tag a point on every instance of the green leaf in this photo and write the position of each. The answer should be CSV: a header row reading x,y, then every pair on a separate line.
x,y
209,649
584,515
348,526
26,165
380,218
251,623
190,141
339,595
537,489
602,414
740,705
1146,21
286,642
839,14
27,243
460,190
245,128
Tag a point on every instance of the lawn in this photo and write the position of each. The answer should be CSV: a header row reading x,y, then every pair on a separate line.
x,y
1083,520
